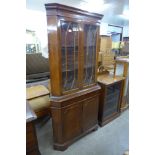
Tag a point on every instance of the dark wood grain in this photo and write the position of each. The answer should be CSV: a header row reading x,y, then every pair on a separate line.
x,y
90,111
106,83
70,10
54,55
31,138
74,112
74,117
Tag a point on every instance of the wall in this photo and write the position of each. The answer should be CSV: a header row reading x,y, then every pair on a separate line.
x,y
36,21
126,31
104,29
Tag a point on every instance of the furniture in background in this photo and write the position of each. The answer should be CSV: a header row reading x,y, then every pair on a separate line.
x,y
106,57
116,36
105,46
125,62
38,96
73,39
37,83
105,43
125,46
107,63
37,67
110,97
31,138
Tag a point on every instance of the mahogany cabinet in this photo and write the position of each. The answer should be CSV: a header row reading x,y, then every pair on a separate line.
x,y
110,98
73,42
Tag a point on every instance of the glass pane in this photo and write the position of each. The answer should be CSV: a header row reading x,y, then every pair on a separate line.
x,y
90,35
69,51
112,100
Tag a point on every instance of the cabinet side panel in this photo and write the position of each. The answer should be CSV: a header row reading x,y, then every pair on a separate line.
x,y
57,125
101,103
121,99
54,54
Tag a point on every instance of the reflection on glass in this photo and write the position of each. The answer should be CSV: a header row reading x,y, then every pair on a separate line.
x,y
90,34
112,100
69,49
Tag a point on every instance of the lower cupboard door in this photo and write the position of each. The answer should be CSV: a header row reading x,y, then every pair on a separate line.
x,y
90,113
72,121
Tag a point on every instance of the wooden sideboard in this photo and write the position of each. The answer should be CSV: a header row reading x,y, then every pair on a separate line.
x,y
31,138
110,98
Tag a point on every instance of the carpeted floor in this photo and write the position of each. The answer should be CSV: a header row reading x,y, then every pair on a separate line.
x,y
112,139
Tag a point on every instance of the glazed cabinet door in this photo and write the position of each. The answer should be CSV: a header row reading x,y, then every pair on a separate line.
x,y
112,99
69,34
90,48
90,113
78,48
72,121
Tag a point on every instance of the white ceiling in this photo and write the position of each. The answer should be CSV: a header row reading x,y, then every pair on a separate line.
x,y
114,11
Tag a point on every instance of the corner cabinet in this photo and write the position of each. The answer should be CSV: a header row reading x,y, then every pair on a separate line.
x,y
73,41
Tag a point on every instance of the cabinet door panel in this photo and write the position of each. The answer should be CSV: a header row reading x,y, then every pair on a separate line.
x,y
90,113
69,52
112,99
90,38
72,121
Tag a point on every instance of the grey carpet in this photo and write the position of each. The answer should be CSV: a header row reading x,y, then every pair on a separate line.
x,y
112,139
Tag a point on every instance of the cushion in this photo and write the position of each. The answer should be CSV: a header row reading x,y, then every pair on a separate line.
x,y
39,103
36,91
